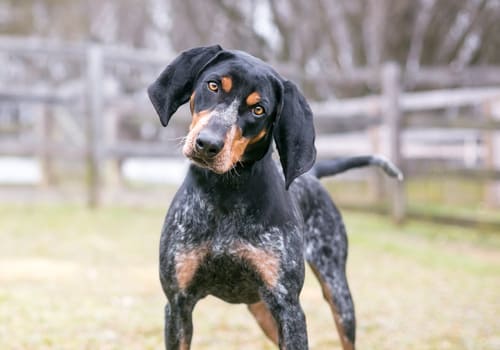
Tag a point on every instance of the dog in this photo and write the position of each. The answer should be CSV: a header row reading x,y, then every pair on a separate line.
x,y
241,225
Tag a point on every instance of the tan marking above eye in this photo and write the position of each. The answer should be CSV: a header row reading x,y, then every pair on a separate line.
x,y
213,86
253,98
227,84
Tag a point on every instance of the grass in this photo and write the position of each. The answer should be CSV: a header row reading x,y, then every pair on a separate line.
x,y
71,278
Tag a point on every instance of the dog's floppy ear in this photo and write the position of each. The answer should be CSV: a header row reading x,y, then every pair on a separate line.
x,y
175,84
294,133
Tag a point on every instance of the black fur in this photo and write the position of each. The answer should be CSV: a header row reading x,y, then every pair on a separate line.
x,y
294,134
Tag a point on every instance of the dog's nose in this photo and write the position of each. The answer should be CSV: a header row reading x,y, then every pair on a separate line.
x,y
209,144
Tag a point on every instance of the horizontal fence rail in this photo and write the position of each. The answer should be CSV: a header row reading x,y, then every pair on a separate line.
x,y
388,123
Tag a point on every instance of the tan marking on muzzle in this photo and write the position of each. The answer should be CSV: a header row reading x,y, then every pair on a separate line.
x,y
197,117
223,161
258,137
191,102
238,146
235,145
199,121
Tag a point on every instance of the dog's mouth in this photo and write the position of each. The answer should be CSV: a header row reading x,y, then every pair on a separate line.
x,y
212,164
200,161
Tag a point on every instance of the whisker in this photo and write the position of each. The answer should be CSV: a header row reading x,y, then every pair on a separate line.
x,y
182,138
235,171
180,141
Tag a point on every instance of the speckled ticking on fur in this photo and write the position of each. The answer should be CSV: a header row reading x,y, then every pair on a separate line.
x,y
233,229
227,116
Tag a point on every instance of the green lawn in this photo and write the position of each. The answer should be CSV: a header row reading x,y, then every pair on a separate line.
x,y
77,279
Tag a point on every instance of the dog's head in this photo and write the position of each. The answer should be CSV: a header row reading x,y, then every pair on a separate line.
x,y
238,104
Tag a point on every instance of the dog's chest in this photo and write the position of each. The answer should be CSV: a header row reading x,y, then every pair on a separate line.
x,y
233,274
230,269
227,254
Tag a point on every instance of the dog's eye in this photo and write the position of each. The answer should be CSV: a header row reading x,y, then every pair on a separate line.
x,y
213,86
258,110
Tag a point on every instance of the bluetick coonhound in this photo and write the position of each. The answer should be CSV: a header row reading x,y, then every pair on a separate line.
x,y
240,226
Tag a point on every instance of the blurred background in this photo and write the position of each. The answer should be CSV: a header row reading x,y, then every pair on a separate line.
x,y
87,171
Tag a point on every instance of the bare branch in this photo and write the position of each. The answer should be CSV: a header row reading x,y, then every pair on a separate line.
x,y
373,29
471,44
417,39
283,28
338,32
460,27
472,41
243,27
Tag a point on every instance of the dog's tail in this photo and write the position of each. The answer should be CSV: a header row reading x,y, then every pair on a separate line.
x,y
324,168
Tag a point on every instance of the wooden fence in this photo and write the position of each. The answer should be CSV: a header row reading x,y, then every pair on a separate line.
x,y
386,116
398,112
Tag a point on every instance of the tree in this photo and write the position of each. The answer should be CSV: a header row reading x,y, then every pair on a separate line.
x,y
318,37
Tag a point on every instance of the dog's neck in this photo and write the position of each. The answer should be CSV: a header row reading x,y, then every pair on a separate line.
x,y
246,176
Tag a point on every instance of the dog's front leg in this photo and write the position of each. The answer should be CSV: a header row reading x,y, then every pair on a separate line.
x,y
287,312
178,323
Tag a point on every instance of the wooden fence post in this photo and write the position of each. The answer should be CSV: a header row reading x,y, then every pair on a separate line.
x,y
94,109
45,147
113,176
492,188
391,89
